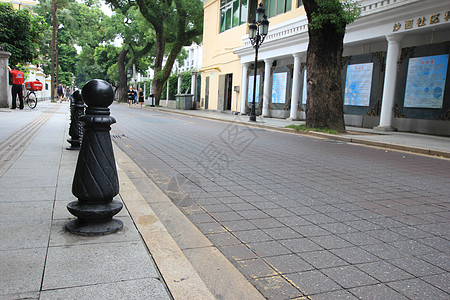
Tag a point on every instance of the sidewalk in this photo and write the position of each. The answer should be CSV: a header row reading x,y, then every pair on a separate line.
x,y
404,141
38,258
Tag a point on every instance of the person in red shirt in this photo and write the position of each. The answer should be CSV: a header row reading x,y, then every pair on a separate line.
x,y
17,78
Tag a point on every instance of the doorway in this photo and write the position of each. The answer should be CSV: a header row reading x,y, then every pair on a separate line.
x,y
228,91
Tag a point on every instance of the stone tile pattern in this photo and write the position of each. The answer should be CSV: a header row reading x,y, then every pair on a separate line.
x,y
301,216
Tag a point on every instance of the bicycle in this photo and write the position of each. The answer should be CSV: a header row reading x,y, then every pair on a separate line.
x,y
30,98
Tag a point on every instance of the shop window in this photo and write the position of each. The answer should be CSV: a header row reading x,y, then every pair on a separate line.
x,y
233,13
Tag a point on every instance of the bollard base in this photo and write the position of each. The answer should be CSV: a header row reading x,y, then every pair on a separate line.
x,y
89,229
74,144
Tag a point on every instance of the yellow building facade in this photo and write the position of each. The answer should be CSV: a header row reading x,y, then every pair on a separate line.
x,y
221,71
388,53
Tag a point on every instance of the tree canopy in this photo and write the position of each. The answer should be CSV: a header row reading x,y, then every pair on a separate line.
x,y
20,32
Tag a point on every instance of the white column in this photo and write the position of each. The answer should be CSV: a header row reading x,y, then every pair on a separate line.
x,y
179,84
244,86
390,81
5,88
267,97
194,88
297,78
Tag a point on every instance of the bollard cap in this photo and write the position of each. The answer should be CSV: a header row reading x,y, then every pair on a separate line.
x,y
98,93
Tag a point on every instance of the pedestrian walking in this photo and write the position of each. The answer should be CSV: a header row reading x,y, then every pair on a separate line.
x,y
16,90
135,100
131,95
141,97
60,91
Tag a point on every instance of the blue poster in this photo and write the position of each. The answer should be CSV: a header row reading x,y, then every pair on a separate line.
x,y
250,89
279,82
358,84
425,82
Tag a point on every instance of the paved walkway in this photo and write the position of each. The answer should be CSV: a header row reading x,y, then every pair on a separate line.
x,y
404,141
40,260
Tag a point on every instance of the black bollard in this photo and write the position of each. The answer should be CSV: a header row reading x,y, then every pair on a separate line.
x,y
76,128
95,182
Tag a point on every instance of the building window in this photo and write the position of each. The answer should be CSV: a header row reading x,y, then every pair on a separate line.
x,y
300,3
232,13
276,7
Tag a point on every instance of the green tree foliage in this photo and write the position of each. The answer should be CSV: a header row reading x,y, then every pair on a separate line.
x,y
173,85
175,23
79,25
20,32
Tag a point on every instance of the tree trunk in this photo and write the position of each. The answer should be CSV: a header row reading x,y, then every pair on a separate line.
x,y
53,58
158,81
122,76
325,104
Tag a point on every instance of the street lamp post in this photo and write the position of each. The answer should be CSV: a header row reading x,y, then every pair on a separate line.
x,y
257,32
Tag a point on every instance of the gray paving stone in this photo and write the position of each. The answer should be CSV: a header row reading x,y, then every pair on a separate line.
x,y
251,236
300,245
359,238
238,225
148,288
441,281
330,242
267,223
269,248
378,291
313,282
442,260
383,271
223,239
208,228
108,262
418,289
21,271
416,267
384,251
310,230
26,194
338,228
362,225
256,268
413,247
226,216
237,252
282,233
276,287
355,255
349,276
322,259
341,295
253,214
26,235
289,263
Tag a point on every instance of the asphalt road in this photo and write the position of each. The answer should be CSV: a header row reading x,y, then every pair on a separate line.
x,y
301,216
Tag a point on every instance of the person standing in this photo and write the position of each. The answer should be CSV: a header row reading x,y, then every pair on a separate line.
x,y
141,97
17,78
60,91
131,95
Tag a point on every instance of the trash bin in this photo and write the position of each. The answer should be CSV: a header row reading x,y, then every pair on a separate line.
x,y
151,100
184,101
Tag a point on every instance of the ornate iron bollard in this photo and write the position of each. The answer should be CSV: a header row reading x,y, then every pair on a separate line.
x,y
76,128
95,182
